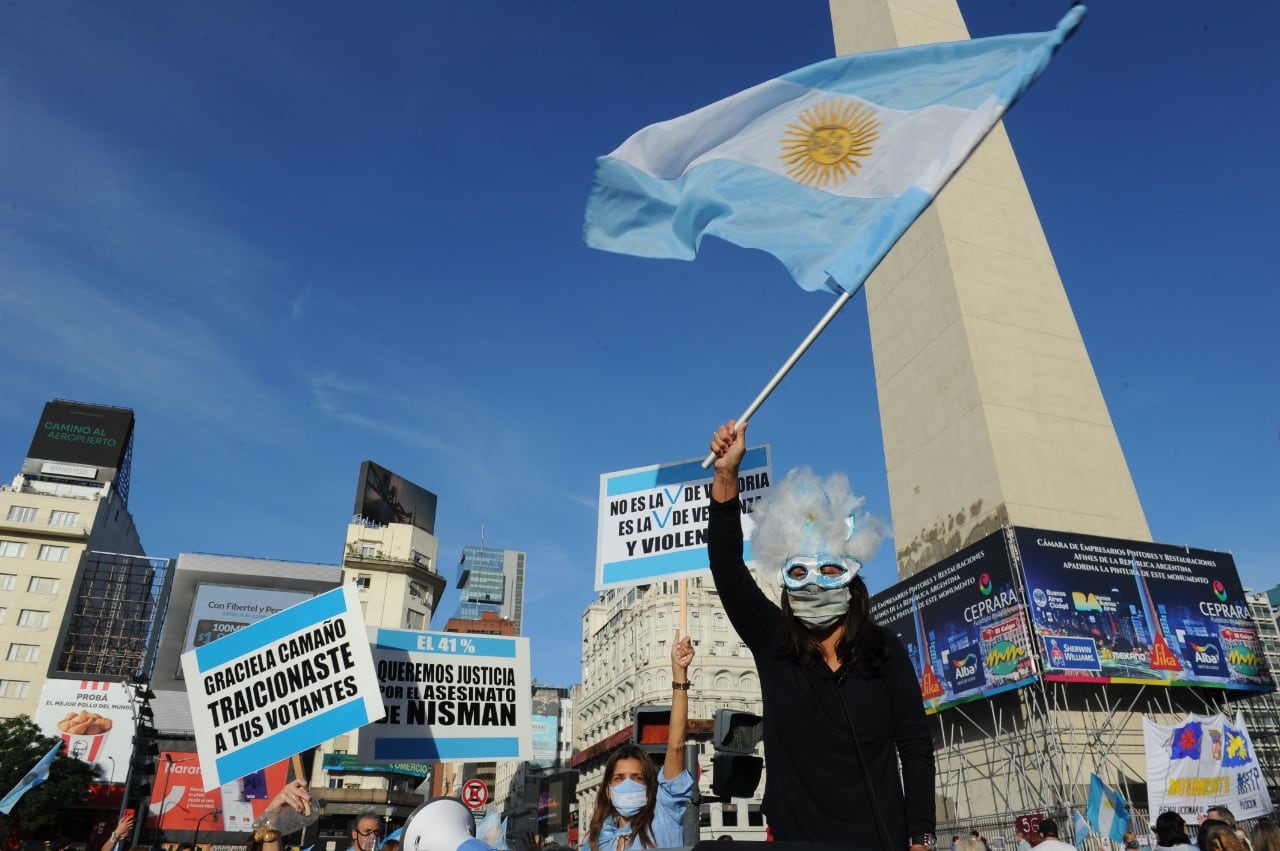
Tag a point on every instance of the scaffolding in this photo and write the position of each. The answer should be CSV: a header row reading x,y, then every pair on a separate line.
x,y
115,621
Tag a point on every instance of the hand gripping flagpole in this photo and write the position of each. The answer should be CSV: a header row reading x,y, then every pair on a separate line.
x,y
790,362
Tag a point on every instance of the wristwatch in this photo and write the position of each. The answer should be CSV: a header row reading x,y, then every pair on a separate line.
x,y
928,840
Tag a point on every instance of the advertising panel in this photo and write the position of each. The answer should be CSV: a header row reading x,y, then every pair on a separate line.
x,y
219,610
653,520
280,686
74,433
1111,610
94,719
179,800
544,735
383,497
963,622
450,697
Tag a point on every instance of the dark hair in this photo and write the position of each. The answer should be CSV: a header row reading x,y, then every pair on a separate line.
x,y
1223,814
1049,827
1171,829
642,822
354,826
1217,835
863,646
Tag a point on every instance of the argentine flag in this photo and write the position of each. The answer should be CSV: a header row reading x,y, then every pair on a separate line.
x,y
825,167
1107,810
33,778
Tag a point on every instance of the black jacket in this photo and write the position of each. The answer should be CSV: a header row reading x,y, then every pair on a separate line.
x,y
815,788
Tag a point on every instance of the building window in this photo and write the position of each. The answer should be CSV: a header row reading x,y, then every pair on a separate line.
x,y
22,514
43,585
729,815
363,580
7,581
414,620
33,618
23,652
335,782
64,518
12,549
14,688
368,550
49,552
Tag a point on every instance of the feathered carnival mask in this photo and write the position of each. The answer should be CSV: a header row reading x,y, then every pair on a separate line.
x,y
807,521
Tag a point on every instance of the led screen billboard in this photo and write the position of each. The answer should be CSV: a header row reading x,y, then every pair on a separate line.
x,y
1111,610
383,497
179,802
220,610
963,621
73,433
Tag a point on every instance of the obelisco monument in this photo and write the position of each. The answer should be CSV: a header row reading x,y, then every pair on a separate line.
x,y
990,408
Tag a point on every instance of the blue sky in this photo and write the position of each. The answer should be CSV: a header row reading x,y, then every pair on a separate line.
x,y
293,236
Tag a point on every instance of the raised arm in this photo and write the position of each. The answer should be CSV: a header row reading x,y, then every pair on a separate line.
x,y
681,656
120,834
729,443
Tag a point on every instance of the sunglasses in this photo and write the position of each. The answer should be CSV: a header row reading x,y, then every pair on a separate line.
x,y
825,571
371,832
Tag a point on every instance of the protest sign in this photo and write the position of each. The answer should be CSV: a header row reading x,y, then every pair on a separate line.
x,y
450,697
281,685
1204,761
653,520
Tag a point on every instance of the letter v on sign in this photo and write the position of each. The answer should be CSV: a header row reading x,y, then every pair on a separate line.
x,y
672,499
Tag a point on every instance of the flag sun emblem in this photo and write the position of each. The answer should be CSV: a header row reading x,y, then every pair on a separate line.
x,y
829,142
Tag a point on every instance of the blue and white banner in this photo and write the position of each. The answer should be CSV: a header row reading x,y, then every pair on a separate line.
x,y
450,697
653,520
824,167
281,685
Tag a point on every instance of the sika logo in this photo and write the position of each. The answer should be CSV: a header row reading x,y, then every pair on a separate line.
x,y
984,584
1219,591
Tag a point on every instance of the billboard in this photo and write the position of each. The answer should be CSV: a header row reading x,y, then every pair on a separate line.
x,y
1111,610
219,610
652,521
94,719
78,434
383,497
179,800
963,622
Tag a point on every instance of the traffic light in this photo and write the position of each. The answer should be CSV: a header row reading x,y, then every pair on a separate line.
x,y
735,769
652,726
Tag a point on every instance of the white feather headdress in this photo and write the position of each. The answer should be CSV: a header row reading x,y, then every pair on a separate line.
x,y
807,515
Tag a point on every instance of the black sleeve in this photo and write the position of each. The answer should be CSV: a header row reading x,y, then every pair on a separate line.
x,y
913,740
749,610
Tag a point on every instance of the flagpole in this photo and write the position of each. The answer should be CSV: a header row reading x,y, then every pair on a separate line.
x,y
791,361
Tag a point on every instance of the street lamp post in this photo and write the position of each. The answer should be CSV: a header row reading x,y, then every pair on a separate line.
x,y
195,840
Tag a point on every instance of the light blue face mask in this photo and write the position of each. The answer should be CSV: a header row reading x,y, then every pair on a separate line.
x,y
628,797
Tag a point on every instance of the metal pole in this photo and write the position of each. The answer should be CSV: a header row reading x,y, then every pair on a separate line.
x,y
693,812
786,367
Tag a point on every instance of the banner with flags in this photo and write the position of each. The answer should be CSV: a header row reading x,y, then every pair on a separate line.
x,y
33,778
1108,812
824,167
1205,760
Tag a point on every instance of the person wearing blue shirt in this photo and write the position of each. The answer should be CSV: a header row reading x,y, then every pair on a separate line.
x,y
636,806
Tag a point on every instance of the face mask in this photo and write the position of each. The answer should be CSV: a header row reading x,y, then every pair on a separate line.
x,y
817,607
628,797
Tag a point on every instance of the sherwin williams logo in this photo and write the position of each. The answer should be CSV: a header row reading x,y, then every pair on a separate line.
x,y
1219,591
1244,660
1003,658
984,584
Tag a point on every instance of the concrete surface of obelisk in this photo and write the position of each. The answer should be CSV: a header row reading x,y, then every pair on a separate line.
x,y
989,405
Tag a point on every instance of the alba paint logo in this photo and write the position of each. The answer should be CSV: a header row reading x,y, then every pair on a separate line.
x,y
1219,591
984,584
1206,653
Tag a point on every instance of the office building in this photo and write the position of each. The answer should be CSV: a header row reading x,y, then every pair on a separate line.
x,y
491,580
79,594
